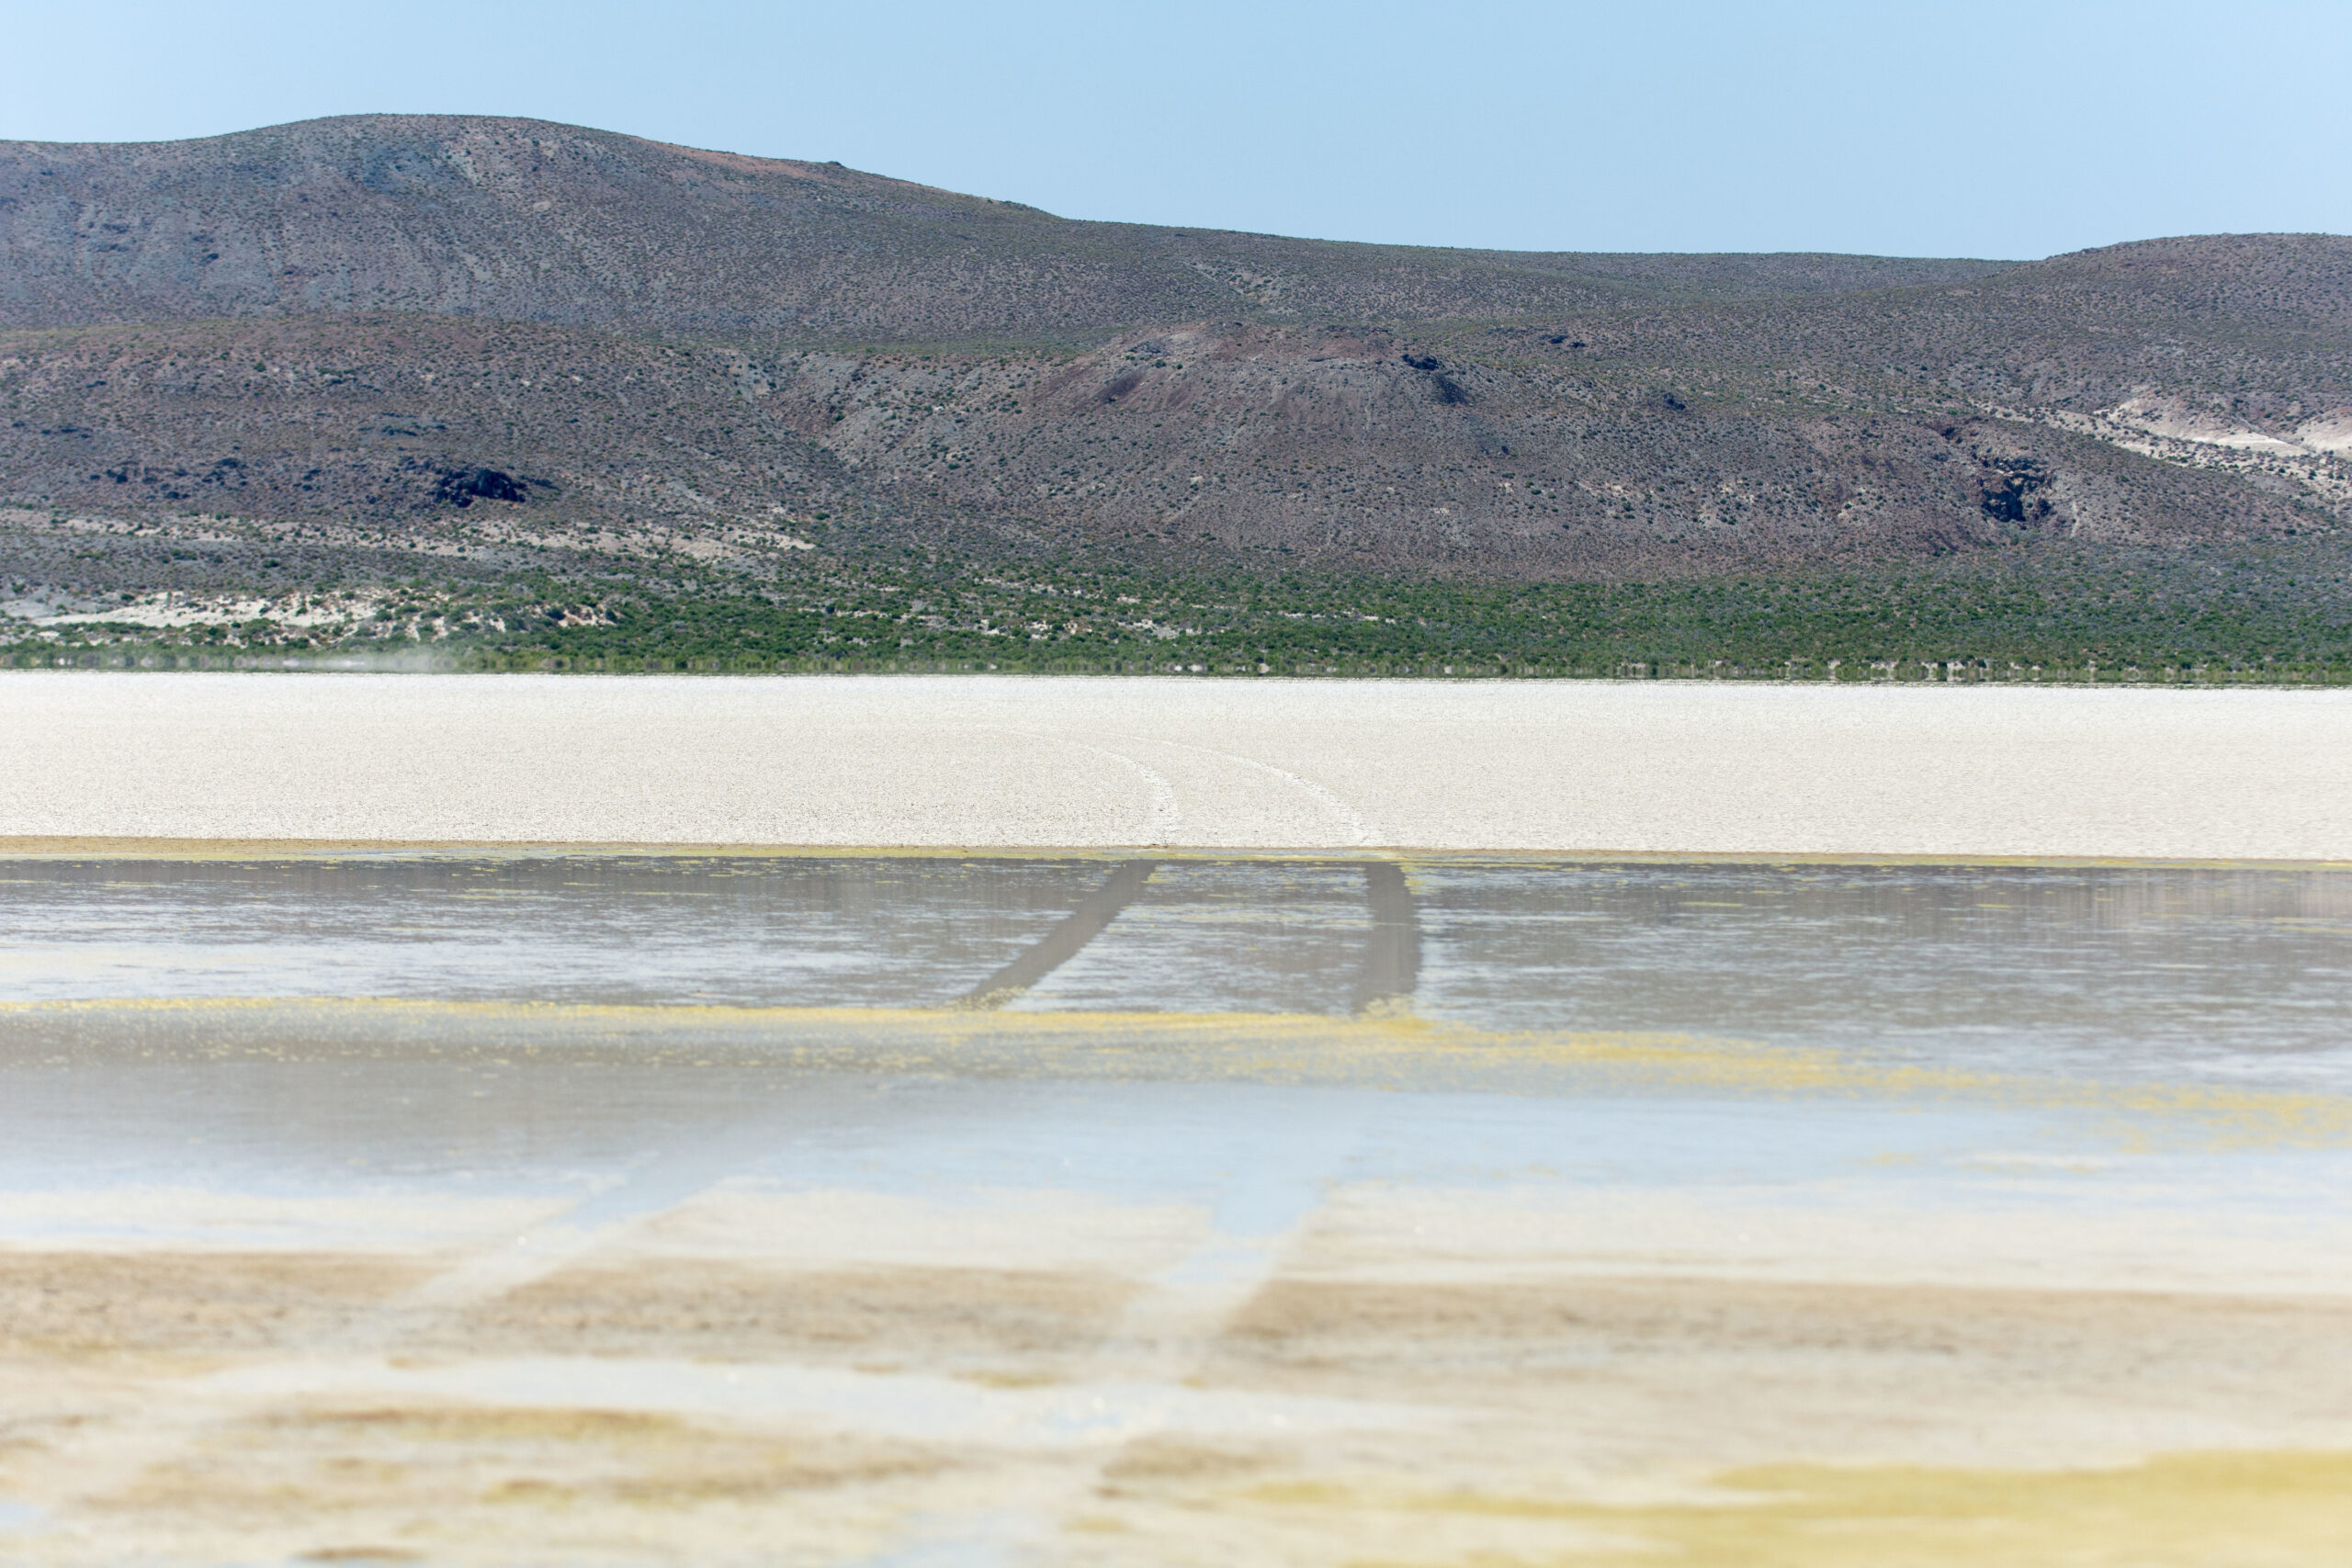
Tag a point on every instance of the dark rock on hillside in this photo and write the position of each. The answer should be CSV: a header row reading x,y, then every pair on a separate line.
x,y
463,487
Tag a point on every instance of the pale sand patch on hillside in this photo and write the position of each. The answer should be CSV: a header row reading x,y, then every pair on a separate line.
x,y
1001,761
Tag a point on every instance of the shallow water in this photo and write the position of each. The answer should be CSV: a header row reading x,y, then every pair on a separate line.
x,y
1167,1196
2208,975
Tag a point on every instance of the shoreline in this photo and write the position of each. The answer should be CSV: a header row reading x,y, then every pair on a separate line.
x,y
131,849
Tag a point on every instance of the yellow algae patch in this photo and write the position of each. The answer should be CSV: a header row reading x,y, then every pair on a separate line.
x,y
416,1462
1396,1049
2190,1510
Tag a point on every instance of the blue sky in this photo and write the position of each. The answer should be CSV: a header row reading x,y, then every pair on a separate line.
x,y
1991,128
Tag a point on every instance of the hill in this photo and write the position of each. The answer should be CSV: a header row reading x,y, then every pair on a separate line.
x,y
532,222
548,349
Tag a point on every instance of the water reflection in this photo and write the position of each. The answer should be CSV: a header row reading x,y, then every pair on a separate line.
x,y
2105,972
2091,971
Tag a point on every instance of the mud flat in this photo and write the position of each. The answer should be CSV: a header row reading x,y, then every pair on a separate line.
x,y
990,762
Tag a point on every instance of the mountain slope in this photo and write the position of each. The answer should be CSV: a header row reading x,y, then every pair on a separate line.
x,y
533,221
539,349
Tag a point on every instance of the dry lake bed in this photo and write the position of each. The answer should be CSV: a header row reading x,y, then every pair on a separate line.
x,y
1163,1207
976,762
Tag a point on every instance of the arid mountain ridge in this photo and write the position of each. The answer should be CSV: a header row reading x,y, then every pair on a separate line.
x,y
396,328
532,222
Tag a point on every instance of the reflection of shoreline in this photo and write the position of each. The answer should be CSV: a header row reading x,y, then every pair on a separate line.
x,y
1391,1051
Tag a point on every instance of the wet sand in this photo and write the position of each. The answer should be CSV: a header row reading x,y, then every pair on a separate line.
x,y
689,1412
991,763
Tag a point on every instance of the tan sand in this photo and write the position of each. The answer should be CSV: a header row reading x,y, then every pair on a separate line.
x,y
993,762
638,1407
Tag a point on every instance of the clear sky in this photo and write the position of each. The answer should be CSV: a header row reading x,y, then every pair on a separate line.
x,y
1988,128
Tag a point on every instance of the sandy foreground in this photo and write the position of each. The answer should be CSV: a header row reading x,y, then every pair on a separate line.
x,y
987,762
1064,1306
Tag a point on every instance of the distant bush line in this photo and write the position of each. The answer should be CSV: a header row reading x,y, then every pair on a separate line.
x,y
461,660
2208,616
